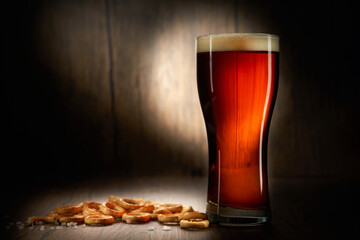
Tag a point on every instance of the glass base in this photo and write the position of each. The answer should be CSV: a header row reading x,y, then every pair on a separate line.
x,y
228,216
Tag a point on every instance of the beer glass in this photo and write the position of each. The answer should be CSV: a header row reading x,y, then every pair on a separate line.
x,y
237,78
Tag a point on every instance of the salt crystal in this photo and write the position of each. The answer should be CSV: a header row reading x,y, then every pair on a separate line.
x,y
152,228
166,228
58,227
63,224
52,227
75,226
68,224
21,227
31,228
42,228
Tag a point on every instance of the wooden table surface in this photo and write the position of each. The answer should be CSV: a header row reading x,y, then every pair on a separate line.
x,y
301,209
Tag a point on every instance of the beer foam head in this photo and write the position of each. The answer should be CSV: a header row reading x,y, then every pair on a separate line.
x,y
238,42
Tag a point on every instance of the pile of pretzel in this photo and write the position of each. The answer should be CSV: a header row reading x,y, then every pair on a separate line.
x,y
129,210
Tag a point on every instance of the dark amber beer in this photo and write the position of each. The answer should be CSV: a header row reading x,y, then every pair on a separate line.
x,y
237,77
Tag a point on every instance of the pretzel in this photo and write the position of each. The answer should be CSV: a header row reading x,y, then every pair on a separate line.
x,y
127,203
112,209
100,219
172,217
154,216
136,217
130,210
78,218
52,214
145,208
91,208
172,207
187,209
74,209
194,223
192,215
35,220
161,211
140,200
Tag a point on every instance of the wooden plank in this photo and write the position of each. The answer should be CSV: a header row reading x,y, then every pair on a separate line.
x,y
159,120
71,74
188,191
301,209
312,126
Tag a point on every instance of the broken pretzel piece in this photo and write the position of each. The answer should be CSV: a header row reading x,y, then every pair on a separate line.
x,y
36,220
74,209
78,218
136,217
112,209
194,223
99,219
171,217
127,203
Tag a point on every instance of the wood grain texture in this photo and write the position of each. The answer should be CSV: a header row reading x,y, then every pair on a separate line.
x,y
109,88
301,209
66,110
159,122
308,137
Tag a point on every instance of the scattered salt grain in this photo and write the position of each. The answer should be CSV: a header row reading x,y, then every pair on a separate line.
x,y
152,228
63,224
21,227
52,227
31,228
75,226
58,227
71,224
166,228
42,228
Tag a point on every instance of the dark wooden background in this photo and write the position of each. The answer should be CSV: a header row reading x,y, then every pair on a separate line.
x,y
96,88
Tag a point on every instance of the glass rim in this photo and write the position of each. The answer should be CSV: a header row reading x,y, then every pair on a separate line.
x,y
239,35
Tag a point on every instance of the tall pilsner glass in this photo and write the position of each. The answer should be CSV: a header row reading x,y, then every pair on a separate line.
x,y
237,77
